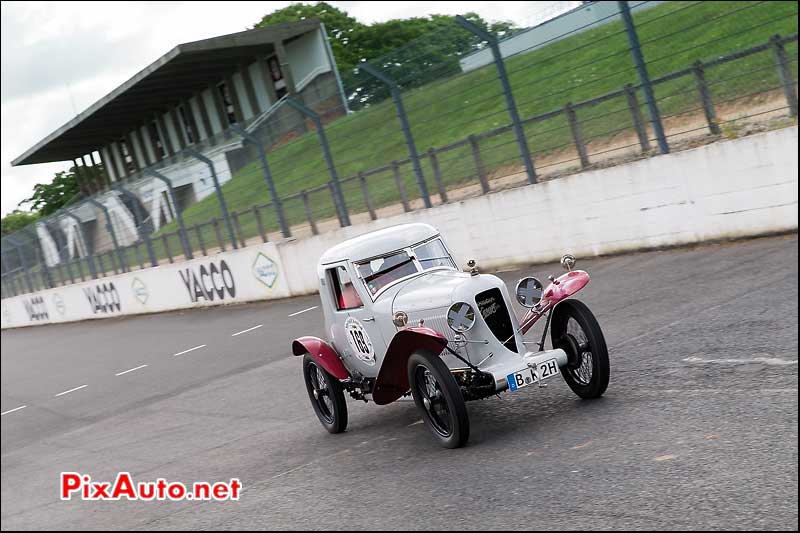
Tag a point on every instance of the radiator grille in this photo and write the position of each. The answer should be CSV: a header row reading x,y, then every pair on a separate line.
x,y
493,309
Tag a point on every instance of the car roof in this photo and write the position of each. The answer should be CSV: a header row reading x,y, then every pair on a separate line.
x,y
380,242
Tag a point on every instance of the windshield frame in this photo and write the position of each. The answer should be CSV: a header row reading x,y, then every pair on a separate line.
x,y
410,251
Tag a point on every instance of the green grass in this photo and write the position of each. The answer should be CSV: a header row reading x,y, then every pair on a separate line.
x,y
587,65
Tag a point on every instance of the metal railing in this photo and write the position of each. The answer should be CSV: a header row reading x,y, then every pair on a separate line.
x,y
424,133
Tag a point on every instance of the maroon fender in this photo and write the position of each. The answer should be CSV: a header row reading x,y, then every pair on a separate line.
x,y
323,353
392,381
562,288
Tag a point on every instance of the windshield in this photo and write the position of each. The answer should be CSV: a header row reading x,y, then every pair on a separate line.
x,y
380,272
433,254
383,271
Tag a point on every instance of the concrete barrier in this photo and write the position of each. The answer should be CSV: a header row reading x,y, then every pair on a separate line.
x,y
253,273
729,189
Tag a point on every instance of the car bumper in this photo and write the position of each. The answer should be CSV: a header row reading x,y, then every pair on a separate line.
x,y
501,369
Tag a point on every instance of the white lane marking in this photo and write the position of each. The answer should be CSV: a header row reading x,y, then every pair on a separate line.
x,y
415,423
304,310
765,360
131,370
246,330
12,410
189,350
726,391
71,390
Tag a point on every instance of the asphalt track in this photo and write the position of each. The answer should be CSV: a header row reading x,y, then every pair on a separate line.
x,y
698,428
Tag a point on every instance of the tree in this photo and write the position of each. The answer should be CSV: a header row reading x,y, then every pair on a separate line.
x,y
16,220
413,51
48,198
339,25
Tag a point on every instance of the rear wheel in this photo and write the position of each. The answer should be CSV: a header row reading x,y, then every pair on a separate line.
x,y
576,331
326,394
438,397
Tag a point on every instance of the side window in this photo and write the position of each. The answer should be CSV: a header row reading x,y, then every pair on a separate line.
x,y
344,292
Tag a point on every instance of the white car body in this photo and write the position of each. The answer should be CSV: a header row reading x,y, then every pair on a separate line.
x,y
361,334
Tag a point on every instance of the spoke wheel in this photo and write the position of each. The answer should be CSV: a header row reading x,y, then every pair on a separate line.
x,y
577,332
326,395
438,397
433,402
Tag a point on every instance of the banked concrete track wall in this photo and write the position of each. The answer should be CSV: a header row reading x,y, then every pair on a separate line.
x,y
728,189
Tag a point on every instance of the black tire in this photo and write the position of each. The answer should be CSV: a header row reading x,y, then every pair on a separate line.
x,y
328,403
577,332
438,397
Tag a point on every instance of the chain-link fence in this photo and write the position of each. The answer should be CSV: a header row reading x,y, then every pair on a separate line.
x,y
456,113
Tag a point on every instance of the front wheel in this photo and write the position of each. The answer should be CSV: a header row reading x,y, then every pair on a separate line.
x,y
326,394
438,397
576,331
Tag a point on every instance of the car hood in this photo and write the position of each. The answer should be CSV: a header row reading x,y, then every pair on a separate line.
x,y
429,290
440,289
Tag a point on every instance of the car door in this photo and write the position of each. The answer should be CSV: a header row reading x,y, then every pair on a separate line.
x,y
363,345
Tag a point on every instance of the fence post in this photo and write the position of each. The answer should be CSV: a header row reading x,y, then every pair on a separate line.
x,y
276,201
110,228
705,97
510,103
60,272
338,198
117,270
220,242
101,265
187,249
644,77
476,156
259,223
6,273
784,73
401,115
82,234
398,180
365,191
143,231
139,258
165,241
636,116
437,174
223,207
575,128
238,227
77,263
200,240
309,213
44,272
22,262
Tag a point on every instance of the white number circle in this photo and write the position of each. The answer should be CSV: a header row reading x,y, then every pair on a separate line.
x,y
359,340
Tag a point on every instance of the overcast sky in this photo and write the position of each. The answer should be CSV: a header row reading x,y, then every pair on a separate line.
x,y
60,57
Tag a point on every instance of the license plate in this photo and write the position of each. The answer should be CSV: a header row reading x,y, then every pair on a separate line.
x,y
525,377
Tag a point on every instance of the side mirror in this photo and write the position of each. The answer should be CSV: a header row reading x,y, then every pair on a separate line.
x,y
529,291
568,262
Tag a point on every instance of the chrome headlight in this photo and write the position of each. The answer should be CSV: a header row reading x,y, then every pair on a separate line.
x,y
528,291
460,317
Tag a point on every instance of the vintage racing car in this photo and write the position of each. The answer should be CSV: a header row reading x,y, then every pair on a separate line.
x,y
402,318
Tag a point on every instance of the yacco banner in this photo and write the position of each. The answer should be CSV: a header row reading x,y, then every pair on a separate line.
x,y
248,274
